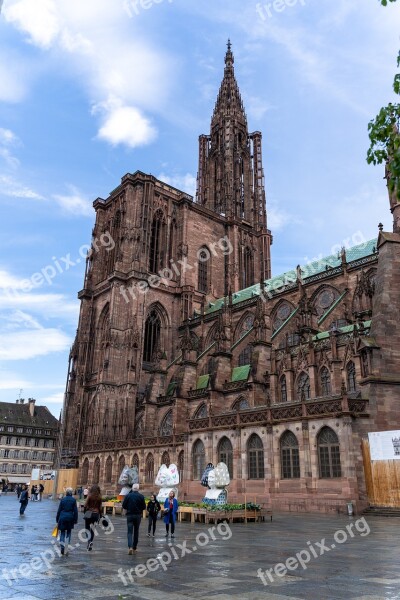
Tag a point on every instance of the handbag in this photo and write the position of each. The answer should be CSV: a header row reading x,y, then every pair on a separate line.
x,y
54,533
88,514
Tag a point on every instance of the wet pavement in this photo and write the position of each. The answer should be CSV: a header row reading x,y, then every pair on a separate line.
x,y
307,557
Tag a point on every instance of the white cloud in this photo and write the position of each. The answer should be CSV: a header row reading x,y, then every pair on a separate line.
x,y
124,66
125,125
37,19
56,398
13,188
23,345
8,139
12,381
186,183
75,203
14,79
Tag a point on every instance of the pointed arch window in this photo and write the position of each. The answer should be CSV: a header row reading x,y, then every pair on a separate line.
x,y
96,470
166,427
247,268
199,459
85,472
121,464
203,275
255,457
325,380
172,241
157,242
303,387
109,465
152,331
283,389
351,377
328,454
245,356
201,412
181,464
241,404
135,461
290,461
225,454
149,470
165,460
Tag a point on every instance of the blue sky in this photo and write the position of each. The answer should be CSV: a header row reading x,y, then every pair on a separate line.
x,y
92,90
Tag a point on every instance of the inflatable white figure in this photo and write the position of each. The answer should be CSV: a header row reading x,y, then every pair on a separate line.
x,y
217,478
167,478
128,477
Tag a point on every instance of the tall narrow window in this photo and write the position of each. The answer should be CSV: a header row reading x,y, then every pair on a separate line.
x,y
181,461
203,271
165,460
283,389
157,242
255,457
303,387
109,464
351,377
85,471
245,356
96,471
151,335
290,462
225,454
199,459
329,454
247,268
121,464
325,378
149,471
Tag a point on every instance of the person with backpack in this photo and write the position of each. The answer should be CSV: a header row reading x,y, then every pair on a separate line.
x,y
153,508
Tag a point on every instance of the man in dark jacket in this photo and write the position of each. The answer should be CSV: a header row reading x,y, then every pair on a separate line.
x,y
67,517
134,505
23,499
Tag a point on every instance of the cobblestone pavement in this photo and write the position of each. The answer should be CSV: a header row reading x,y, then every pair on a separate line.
x,y
358,563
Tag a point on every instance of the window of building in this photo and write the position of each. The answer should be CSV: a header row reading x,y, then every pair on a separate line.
x,y
203,271
10,429
16,453
38,432
245,356
47,432
85,471
35,455
37,442
8,441
109,465
225,454
166,427
290,462
283,389
149,470
165,460
181,461
199,459
328,453
6,453
325,379
151,335
96,470
14,468
46,444
29,430
26,455
20,429
157,243
303,387
247,269
351,377
1,427
17,441
255,457
24,468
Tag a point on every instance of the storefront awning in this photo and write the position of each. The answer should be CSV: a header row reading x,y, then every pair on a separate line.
x,y
19,479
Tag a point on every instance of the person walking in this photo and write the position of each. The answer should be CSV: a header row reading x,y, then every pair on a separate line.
x,y
67,517
80,492
33,493
18,491
23,499
134,505
85,493
170,512
92,512
41,490
153,508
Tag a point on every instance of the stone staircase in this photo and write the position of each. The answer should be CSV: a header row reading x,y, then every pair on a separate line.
x,y
382,511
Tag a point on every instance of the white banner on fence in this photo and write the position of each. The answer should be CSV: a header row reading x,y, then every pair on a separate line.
x,y
384,445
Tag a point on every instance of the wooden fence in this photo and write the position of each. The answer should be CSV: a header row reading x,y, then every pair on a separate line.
x,y
382,479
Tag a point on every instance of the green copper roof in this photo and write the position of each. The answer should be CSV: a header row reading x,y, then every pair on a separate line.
x,y
202,382
278,282
240,373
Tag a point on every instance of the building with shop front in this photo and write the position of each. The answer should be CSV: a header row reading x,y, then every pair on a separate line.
x,y
188,351
28,440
